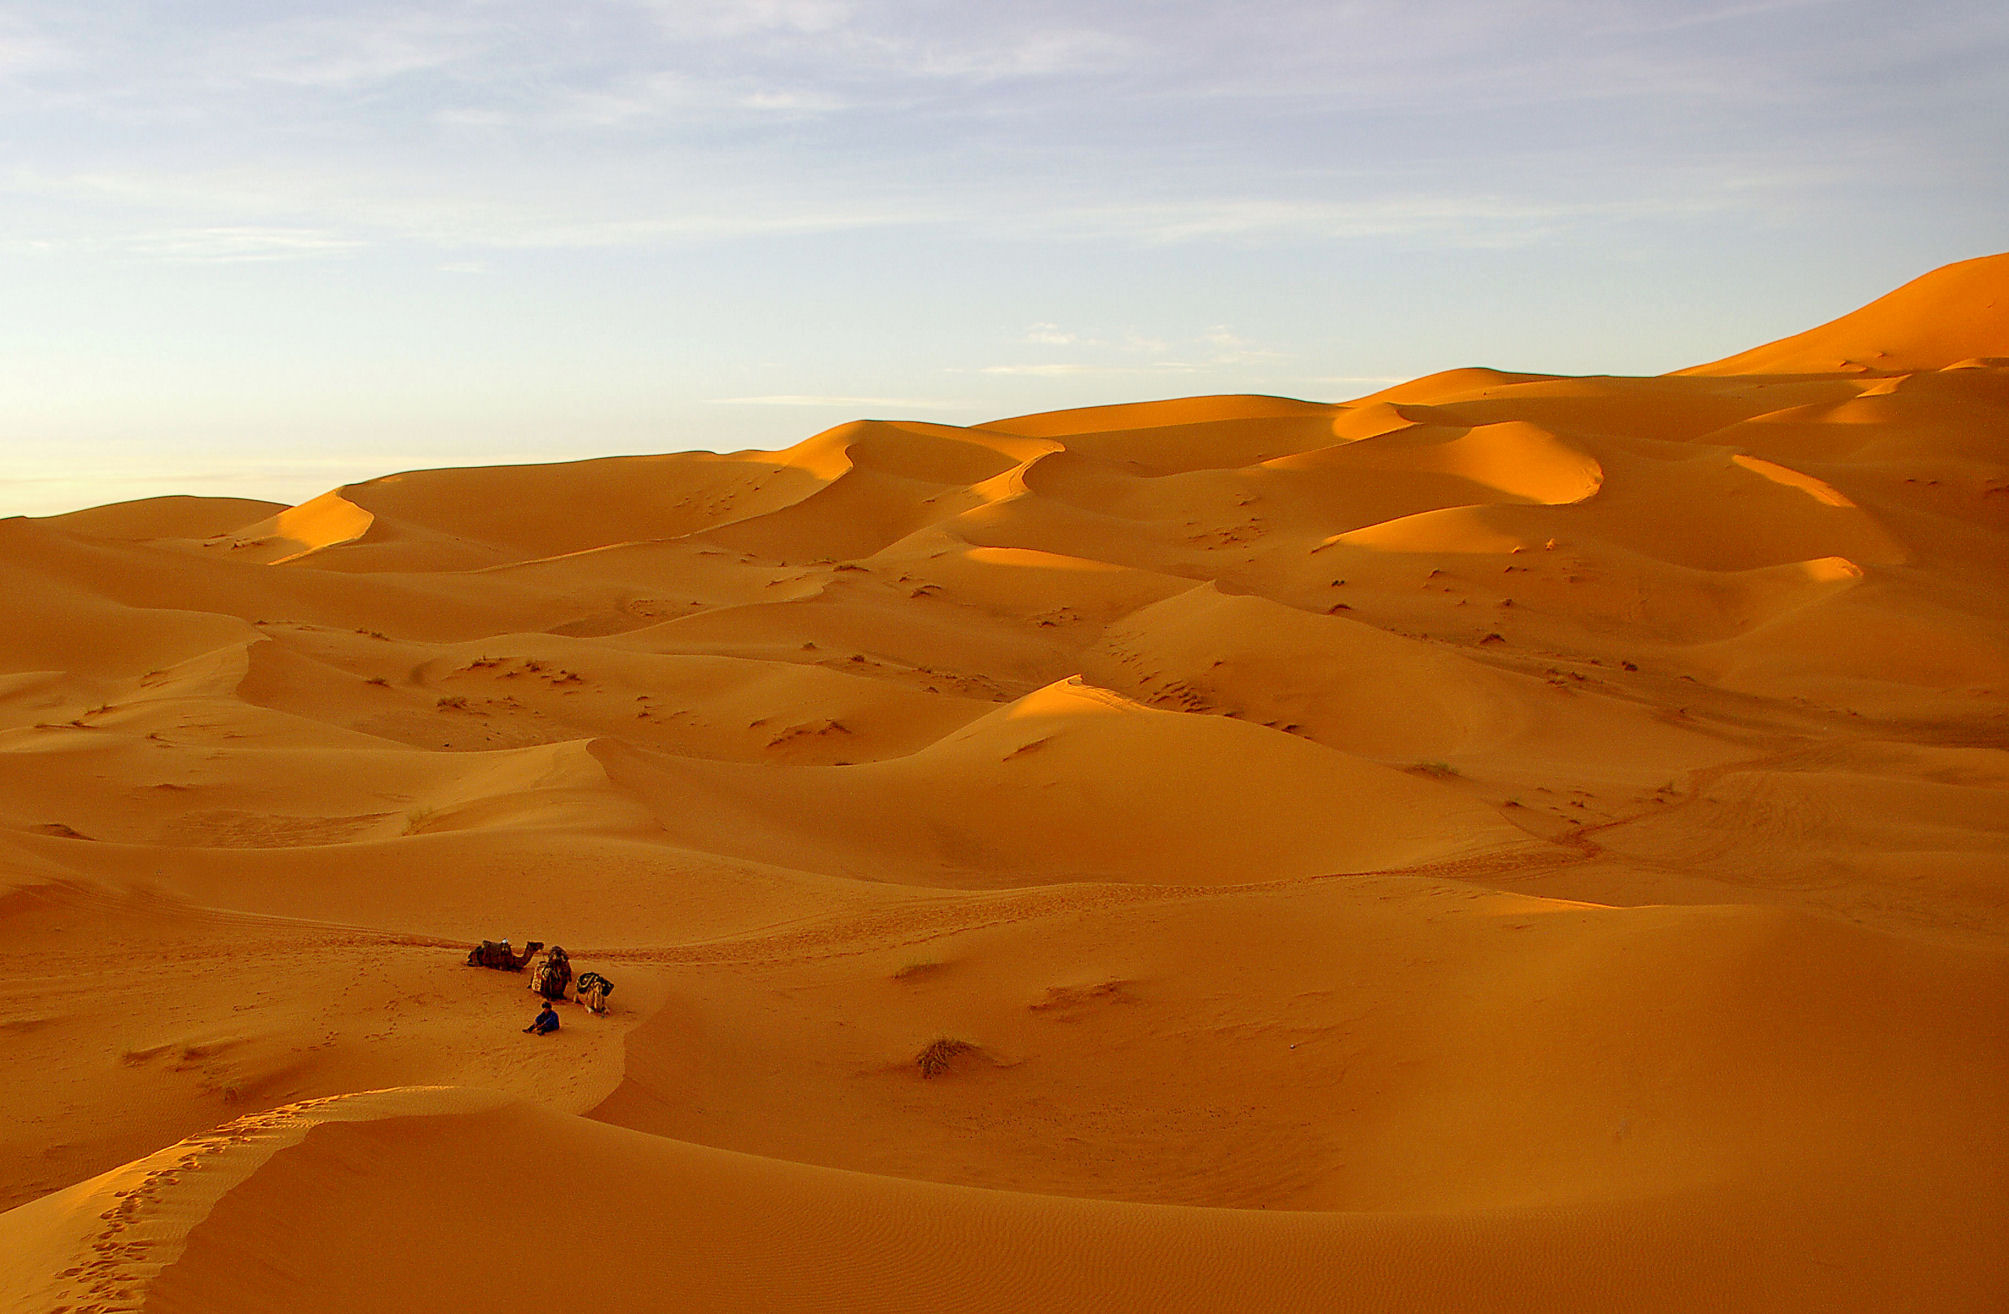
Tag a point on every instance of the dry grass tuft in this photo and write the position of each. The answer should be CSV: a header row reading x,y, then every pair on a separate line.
x,y
941,1054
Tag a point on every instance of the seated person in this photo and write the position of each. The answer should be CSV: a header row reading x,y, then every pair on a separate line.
x,y
544,1023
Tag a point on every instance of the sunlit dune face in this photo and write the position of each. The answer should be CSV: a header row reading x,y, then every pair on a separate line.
x,y
1807,484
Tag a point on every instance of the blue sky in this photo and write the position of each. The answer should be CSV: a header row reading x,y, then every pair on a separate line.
x,y
260,249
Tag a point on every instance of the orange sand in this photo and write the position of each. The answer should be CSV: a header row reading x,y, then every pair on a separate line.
x,y
1505,843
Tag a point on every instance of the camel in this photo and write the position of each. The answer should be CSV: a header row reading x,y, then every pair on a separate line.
x,y
593,991
552,975
497,954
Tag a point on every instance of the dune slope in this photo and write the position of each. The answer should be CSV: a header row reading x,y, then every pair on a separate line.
x,y
1508,842
235,1218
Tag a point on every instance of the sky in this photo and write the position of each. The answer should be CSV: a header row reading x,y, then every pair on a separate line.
x,y
260,249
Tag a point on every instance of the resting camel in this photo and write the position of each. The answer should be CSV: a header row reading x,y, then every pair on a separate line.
x,y
552,975
497,954
593,991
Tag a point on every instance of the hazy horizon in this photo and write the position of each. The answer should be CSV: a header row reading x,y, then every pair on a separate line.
x,y
261,253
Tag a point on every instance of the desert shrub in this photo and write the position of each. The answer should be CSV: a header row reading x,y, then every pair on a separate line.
x,y
941,1053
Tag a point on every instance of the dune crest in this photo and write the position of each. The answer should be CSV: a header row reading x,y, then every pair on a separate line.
x,y
330,520
1957,315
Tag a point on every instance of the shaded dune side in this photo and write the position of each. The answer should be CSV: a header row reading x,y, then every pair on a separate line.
x,y
1512,460
103,1243
1070,782
59,570
1390,698
280,796
1667,408
698,705
1100,1021
1189,433
467,518
706,1228
886,481
65,616
165,517
196,1015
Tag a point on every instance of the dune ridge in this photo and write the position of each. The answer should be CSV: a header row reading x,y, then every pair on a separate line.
x,y
1508,841
1952,318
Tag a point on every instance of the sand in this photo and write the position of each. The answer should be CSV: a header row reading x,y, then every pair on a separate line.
x,y
1508,842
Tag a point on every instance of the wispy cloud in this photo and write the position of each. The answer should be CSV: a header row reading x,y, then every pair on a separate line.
x,y
811,203
335,53
133,211
1377,380
712,20
826,401
617,123
1231,348
1052,335
1470,219
1057,369
24,51
1127,352
242,243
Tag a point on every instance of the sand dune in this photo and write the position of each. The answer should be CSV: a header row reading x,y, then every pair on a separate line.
x,y
1952,316
1507,842
166,517
1070,782
706,1228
